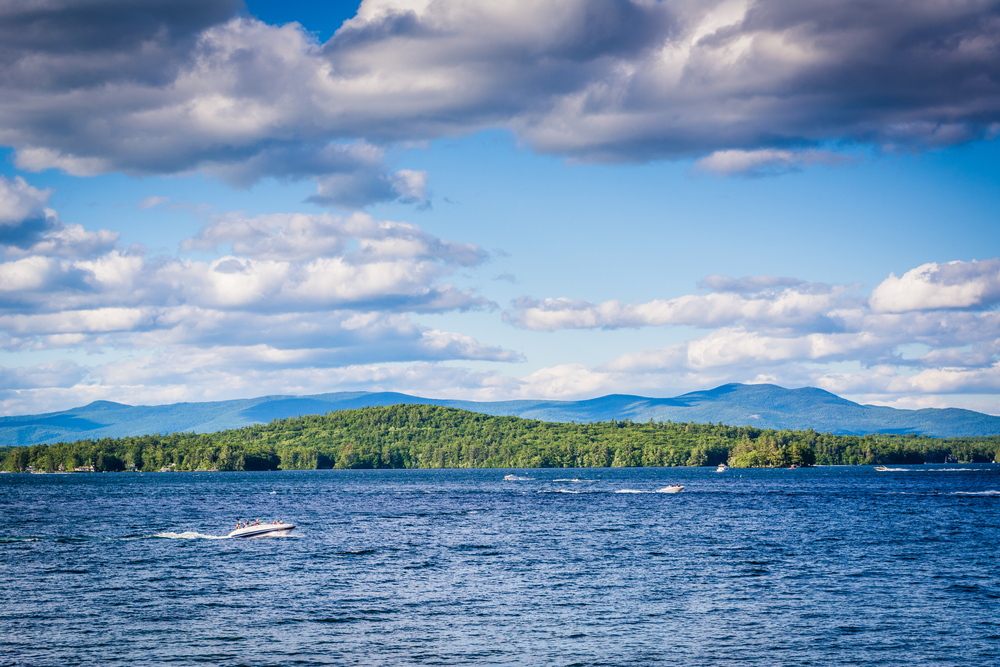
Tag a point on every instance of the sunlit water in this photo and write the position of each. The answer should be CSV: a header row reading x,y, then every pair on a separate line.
x,y
826,566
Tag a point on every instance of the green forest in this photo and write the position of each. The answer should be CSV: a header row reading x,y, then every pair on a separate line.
x,y
427,436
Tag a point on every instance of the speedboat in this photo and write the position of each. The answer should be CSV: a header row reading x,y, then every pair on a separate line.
x,y
671,488
722,468
881,468
511,478
264,530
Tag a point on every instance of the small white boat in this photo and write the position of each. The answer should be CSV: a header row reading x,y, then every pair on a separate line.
x,y
881,468
511,478
264,530
671,488
722,468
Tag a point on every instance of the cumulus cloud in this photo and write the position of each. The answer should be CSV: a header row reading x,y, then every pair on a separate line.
x,y
748,87
29,227
934,286
279,263
930,333
289,292
24,216
299,236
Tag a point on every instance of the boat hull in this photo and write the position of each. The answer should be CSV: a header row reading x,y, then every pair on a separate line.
x,y
269,530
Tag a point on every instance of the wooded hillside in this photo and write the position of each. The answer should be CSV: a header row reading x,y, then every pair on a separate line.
x,y
427,436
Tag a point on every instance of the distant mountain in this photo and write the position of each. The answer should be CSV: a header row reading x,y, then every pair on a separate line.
x,y
761,405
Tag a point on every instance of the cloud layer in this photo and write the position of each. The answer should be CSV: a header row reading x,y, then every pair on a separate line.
x,y
934,331
300,303
278,293
748,87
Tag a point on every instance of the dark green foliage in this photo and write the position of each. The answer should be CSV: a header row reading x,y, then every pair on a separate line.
x,y
428,436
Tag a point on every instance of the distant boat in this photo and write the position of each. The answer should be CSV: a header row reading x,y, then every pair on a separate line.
x,y
511,478
881,468
264,530
722,468
671,488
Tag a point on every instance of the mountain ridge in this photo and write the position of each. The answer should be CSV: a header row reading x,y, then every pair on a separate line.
x,y
760,405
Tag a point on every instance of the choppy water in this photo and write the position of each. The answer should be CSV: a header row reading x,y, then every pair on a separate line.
x,y
826,566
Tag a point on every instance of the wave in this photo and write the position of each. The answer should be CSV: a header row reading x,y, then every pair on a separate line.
x,y
976,493
190,535
571,480
558,491
630,491
897,470
515,478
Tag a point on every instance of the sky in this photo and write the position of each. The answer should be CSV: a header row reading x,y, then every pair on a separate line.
x,y
211,199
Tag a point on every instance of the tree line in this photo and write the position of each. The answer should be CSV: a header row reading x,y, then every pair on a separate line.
x,y
428,436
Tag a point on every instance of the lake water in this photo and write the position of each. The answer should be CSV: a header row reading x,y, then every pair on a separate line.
x,y
823,566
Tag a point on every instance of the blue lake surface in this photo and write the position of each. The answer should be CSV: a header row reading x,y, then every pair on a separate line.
x,y
822,566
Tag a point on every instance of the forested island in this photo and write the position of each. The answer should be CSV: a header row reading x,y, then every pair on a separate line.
x,y
427,436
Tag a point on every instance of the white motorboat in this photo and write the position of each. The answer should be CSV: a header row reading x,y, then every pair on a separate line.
x,y
671,488
722,468
264,530
881,468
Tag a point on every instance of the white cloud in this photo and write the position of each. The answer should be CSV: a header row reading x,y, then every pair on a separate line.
x,y
277,263
410,185
292,293
934,286
29,227
795,306
732,348
766,161
20,201
927,334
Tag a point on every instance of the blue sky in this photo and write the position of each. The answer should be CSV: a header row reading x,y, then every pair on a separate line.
x,y
493,201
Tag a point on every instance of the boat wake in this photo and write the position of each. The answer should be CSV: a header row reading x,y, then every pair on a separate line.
x,y
190,535
976,493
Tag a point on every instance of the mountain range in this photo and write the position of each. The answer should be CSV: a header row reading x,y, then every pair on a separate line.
x,y
760,405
